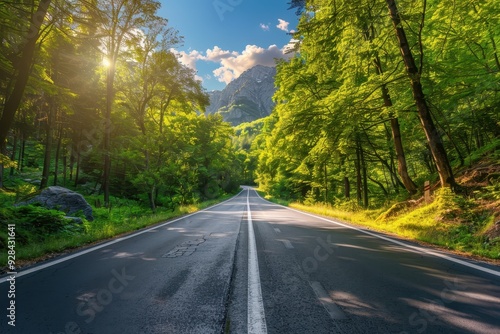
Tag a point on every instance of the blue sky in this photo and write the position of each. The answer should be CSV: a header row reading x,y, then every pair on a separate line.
x,y
223,38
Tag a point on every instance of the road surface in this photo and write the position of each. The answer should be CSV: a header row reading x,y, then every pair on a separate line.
x,y
250,266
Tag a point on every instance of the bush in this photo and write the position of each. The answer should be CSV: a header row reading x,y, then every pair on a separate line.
x,y
33,223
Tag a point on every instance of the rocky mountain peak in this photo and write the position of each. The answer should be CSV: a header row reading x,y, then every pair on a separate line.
x,y
247,98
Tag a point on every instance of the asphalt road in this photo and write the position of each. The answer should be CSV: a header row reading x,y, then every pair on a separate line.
x,y
249,266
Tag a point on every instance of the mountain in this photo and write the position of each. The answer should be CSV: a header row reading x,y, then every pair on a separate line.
x,y
247,98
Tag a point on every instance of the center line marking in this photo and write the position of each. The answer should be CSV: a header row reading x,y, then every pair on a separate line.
x,y
256,320
287,244
333,310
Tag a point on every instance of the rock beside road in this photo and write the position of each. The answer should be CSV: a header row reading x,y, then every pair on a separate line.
x,y
62,199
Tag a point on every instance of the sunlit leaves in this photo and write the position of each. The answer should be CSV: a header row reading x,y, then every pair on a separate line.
x,y
330,102
160,143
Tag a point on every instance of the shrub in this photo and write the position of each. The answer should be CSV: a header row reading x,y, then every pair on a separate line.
x,y
33,223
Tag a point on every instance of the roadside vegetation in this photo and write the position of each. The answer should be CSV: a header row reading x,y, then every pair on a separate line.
x,y
42,233
93,99
382,101
466,223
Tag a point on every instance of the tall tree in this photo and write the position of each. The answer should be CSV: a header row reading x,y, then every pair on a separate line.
x,y
424,113
121,21
22,68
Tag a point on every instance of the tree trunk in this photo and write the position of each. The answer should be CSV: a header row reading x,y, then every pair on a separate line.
x,y
427,157
396,182
20,161
437,148
394,176
48,148
107,132
358,173
326,182
77,172
71,164
13,155
65,166
74,153
396,137
23,70
58,151
365,178
400,154
347,188
1,175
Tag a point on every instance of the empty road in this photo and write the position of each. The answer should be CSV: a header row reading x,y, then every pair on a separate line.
x,y
250,266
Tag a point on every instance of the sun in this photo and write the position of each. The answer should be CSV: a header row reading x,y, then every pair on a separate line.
x,y
106,62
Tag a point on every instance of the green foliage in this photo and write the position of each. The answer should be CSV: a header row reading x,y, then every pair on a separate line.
x,y
34,224
24,191
164,151
7,198
331,137
41,232
329,141
492,192
7,162
450,221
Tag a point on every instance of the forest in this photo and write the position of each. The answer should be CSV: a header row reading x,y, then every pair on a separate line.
x,y
93,99
381,97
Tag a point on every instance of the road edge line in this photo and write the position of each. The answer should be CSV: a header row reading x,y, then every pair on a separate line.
x,y
109,243
416,249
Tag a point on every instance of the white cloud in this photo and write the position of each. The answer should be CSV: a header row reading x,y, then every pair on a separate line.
x,y
218,55
224,74
235,63
291,46
188,59
264,27
283,25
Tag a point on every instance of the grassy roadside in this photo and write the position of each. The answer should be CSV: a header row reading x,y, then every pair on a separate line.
x,y
125,217
450,221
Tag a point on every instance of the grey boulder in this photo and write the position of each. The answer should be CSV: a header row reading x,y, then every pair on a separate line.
x,y
62,199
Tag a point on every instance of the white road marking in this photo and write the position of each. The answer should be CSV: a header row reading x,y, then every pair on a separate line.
x,y
333,310
277,230
256,316
415,249
287,243
83,252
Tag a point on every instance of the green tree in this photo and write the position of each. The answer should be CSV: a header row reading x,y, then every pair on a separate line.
x,y
21,68
344,108
414,73
121,21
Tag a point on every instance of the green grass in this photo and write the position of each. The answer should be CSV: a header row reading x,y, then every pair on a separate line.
x,y
126,216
